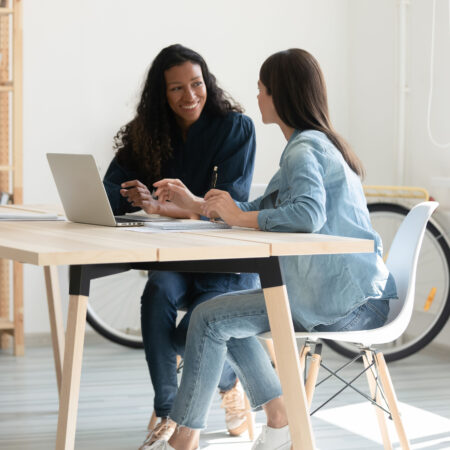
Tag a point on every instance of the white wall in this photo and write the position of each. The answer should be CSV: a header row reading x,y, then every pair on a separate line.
x,y
84,63
373,90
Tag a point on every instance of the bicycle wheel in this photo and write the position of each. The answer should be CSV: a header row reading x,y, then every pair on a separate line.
x,y
114,307
432,296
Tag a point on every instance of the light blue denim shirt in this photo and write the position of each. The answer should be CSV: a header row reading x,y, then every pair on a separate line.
x,y
315,191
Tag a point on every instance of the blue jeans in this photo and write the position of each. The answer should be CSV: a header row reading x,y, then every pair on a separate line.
x,y
226,328
165,294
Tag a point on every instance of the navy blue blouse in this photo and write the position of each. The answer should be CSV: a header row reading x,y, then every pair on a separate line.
x,y
226,142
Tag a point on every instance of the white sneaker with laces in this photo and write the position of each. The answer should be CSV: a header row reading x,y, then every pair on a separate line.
x,y
162,432
273,439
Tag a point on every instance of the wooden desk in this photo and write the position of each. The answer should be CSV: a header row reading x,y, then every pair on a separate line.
x,y
91,250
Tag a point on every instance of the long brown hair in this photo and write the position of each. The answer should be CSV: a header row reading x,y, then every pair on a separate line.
x,y
146,142
295,81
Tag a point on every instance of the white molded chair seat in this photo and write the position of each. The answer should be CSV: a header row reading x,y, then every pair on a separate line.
x,y
402,263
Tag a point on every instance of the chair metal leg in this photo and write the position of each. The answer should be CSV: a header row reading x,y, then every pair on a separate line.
x,y
391,400
375,392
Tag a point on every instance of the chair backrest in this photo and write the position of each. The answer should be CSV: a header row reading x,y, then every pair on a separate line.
x,y
402,261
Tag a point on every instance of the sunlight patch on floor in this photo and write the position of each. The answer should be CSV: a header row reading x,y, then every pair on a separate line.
x,y
423,428
220,440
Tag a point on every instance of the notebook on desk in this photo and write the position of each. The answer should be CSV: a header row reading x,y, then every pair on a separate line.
x,y
82,193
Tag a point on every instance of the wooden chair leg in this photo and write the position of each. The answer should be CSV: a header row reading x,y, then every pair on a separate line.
x,y
153,418
381,416
311,379
303,352
249,418
391,399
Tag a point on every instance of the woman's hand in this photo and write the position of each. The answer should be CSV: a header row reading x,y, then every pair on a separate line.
x,y
173,190
138,195
220,204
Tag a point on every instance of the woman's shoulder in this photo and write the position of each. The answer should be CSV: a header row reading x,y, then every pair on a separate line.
x,y
233,122
313,139
230,118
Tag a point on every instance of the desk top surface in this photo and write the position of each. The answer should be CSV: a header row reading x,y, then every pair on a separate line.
x,y
66,243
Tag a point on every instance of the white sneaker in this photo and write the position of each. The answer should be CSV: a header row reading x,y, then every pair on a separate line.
x,y
162,432
273,439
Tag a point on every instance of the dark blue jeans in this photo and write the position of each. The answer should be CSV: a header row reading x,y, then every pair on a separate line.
x,y
164,295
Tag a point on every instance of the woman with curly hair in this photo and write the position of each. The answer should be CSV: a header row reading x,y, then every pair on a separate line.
x,y
185,125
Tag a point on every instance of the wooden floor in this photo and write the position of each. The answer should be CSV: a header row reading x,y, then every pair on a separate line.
x,y
116,398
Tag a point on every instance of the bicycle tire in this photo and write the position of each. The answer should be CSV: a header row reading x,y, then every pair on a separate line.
x,y
434,236
114,307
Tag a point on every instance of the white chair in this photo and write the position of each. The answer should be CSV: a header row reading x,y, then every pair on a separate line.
x,y
402,262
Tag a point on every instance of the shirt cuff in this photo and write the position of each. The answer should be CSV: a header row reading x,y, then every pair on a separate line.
x,y
264,217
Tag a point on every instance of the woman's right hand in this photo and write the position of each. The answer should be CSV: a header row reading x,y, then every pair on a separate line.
x,y
173,190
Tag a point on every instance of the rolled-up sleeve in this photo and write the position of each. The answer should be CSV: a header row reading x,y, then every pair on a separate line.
x,y
304,208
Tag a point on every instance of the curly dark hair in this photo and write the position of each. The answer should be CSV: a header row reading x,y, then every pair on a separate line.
x,y
146,142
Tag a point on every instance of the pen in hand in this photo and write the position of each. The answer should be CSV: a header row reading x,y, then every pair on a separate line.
x,y
213,186
214,178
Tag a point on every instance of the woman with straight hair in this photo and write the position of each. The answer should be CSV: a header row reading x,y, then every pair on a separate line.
x,y
185,125
317,189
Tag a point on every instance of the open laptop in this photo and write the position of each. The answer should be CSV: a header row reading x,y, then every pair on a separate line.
x,y
82,193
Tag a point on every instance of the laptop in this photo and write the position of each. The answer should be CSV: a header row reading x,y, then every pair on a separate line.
x,y
82,193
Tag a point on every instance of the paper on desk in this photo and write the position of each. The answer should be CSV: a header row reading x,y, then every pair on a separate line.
x,y
23,215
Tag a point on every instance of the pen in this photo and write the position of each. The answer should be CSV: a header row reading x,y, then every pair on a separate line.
x,y
214,178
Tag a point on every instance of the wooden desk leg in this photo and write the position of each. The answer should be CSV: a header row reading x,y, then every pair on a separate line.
x,y
294,396
70,389
56,320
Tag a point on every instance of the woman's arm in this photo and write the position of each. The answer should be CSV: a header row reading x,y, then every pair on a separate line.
x,y
304,210
114,177
220,204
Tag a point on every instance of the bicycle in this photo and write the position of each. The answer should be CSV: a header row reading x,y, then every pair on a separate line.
x,y
388,206
114,303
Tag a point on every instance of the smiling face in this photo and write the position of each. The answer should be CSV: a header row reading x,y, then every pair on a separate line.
x,y
186,92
